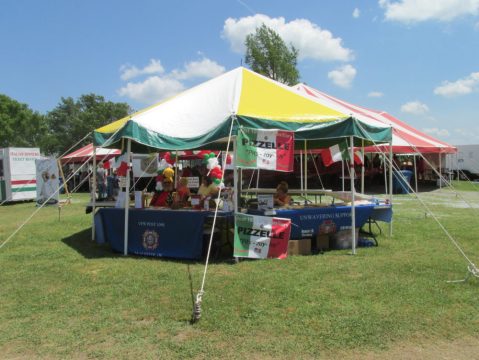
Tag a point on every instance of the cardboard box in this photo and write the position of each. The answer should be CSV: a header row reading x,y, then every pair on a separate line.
x,y
299,247
322,242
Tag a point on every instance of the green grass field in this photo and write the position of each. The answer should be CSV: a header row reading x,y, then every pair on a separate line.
x,y
63,296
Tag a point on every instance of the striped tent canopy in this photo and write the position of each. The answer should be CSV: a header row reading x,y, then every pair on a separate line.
x,y
406,139
201,117
86,153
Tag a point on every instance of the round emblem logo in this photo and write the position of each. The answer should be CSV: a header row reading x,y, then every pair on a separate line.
x,y
150,240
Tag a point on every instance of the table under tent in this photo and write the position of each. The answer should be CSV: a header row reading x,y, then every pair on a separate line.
x,y
210,116
406,139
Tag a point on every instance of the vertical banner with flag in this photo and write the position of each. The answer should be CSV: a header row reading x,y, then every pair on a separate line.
x,y
265,149
261,237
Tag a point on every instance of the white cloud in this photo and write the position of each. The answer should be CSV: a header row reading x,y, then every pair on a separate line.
x,y
343,76
204,68
415,107
459,87
129,71
409,11
437,132
155,88
311,41
356,13
151,90
375,94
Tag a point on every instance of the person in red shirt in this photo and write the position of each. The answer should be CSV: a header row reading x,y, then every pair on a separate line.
x,y
164,198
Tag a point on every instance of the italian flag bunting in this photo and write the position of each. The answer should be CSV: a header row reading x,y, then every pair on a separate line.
x,y
261,237
265,149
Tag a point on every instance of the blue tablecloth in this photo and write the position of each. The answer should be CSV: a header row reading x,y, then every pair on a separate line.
x,y
308,222
162,233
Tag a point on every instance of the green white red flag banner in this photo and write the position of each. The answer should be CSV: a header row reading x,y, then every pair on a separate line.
x,y
265,149
339,152
261,237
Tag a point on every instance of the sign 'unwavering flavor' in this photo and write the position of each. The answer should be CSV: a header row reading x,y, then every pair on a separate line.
x,y
265,149
261,237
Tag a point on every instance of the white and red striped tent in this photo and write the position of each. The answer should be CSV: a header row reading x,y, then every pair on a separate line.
x,y
86,154
406,139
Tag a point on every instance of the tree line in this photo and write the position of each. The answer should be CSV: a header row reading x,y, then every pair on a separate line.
x,y
57,130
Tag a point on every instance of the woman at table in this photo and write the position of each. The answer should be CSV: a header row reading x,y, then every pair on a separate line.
x,y
281,198
183,190
207,188
164,198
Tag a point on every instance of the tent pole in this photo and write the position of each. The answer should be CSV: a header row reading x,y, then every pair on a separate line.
x,y
301,170
440,171
127,197
391,184
353,210
362,166
305,168
237,187
415,171
385,168
342,175
93,195
176,171
257,179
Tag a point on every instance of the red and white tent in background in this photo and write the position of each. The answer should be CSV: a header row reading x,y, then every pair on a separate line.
x,y
86,154
406,139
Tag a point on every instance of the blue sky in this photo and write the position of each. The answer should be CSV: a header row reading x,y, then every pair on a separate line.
x,y
416,59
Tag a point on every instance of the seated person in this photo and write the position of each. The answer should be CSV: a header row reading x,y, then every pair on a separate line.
x,y
183,190
281,198
164,197
207,188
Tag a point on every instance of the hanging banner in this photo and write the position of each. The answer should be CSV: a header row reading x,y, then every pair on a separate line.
x,y
47,181
261,237
265,149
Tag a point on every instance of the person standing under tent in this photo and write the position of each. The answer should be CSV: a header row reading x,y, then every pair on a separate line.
x,y
101,182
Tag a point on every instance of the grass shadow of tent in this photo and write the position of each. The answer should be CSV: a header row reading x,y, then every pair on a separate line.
x,y
81,242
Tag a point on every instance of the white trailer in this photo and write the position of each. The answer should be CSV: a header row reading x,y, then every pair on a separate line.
x,y
18,174
466,159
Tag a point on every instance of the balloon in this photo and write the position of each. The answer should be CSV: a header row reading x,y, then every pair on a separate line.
x,y
212,163
217,181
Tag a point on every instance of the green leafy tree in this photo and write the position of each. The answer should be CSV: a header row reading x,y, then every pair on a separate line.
x,y
20,126
268,54
71,120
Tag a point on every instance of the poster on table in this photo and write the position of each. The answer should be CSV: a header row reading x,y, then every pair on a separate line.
x,y
47,181
261,237
265,149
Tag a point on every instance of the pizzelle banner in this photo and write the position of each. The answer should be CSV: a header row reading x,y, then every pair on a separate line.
x,y
261,237
265,149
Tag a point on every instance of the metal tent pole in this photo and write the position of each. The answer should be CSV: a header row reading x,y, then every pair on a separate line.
x,y
415,171
301,170
353,210
237,188
342,175
127,197
440,171
391,184
362,166
305,168
93,195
